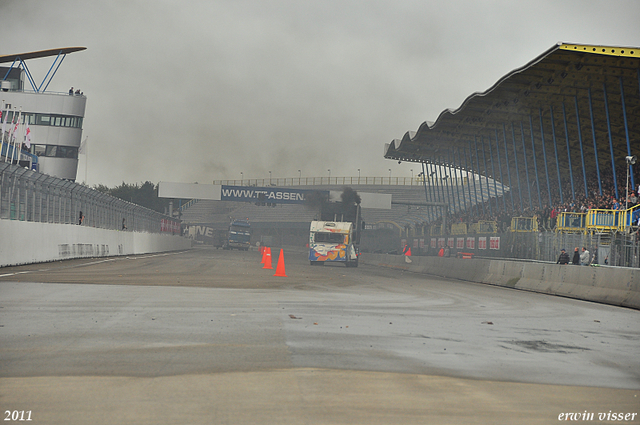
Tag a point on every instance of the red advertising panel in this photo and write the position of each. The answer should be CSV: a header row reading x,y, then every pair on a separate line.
x,y
471,242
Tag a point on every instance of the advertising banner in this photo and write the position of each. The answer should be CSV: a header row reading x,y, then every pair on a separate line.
x,y
276,195
471,242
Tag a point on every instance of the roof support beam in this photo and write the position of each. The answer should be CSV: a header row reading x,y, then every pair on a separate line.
x,y
475,141
584,172
515,158
555,147
566,135
504,201
613,162
595,144
626,130
535,162
544,156
506,158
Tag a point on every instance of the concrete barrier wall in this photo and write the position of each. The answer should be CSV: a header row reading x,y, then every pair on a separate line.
x,y
24,242
609,285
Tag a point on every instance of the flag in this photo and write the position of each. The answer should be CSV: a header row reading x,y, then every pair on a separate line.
x,y
17,144
27,136
15,128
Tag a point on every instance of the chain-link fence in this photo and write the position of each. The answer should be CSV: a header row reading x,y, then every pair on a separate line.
x,y
30,196
612,248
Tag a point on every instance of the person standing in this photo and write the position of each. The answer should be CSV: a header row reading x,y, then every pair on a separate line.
x,y
584,257
576,257
563,258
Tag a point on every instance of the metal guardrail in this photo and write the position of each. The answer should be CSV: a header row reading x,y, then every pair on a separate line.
x,y
571,222
598,221
602,220
459,229
336,181
629,217
524,224
27,195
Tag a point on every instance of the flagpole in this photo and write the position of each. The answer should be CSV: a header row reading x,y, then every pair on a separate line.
x,y
13,118
16,129
2,120
86,159
4,126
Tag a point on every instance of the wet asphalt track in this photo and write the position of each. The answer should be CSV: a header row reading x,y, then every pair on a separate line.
x,y
201,315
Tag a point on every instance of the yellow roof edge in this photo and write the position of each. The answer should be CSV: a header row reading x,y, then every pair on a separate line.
x,y
631,52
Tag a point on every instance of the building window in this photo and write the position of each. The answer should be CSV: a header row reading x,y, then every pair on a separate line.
x,y
55,151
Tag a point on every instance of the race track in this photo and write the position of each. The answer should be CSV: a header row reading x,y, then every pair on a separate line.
x,y
209,336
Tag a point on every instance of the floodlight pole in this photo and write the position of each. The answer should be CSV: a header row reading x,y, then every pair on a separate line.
x,y
630,160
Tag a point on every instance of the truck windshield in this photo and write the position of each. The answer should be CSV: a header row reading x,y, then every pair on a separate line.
x,y
327,237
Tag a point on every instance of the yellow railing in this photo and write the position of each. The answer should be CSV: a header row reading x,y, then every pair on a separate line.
x,y
571,222
524,224
603,220
435,230
459,229
484,226
598,220
629,217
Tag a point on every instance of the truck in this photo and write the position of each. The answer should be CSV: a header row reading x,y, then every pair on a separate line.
x,y
238,236
337,240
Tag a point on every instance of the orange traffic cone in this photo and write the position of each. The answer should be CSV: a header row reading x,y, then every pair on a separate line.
x,y
280,269
267,259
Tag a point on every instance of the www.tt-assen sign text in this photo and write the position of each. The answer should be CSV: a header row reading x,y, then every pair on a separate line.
x,y
275,195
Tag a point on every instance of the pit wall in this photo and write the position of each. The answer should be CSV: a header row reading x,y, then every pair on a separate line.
x,y
24,242
608,285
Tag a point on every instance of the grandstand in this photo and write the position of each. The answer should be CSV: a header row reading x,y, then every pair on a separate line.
x,y
551,142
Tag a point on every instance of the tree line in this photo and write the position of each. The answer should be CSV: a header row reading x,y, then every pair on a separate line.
x,y
144,194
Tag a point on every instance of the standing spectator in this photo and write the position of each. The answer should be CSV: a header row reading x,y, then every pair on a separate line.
x,y
71,91
80,218
563,258
576,257
633,199
584,257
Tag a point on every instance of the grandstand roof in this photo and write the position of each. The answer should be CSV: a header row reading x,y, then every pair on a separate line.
x,y
542,95
40,54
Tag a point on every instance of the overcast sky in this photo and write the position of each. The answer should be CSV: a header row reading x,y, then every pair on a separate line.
x,y
197,90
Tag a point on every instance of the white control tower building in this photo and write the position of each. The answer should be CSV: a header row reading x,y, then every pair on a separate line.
x,y
55,119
